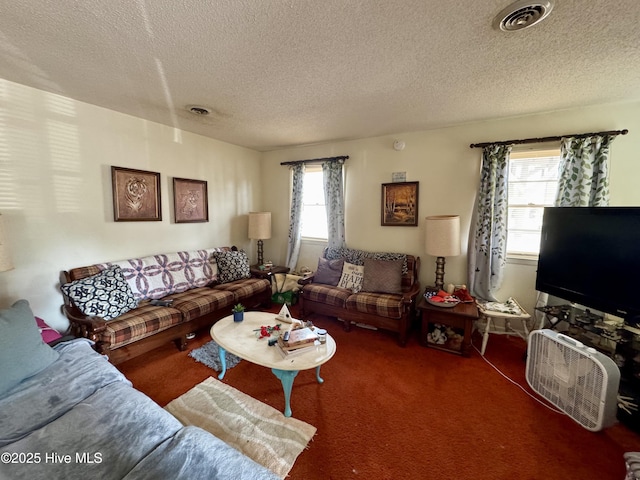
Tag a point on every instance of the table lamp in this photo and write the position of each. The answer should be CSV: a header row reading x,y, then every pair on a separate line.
x,y
442,240
260,229
5,258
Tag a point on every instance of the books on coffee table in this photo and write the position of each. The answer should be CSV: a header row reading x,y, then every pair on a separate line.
x,y
293,352
298,337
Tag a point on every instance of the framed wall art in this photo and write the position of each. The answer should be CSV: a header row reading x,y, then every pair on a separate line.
x,y
190,200
400,204
136,195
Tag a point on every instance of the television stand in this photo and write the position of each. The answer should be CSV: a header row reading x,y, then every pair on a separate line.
x,y
570,314
585,326
618,341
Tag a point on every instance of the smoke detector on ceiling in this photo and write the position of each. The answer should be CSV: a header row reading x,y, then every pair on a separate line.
x,y
399,145
522,14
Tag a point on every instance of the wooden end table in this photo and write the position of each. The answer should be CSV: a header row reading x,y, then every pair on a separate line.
x,y
267,273
460,318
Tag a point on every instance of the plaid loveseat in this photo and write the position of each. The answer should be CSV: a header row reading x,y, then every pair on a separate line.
x,y
116,304
372,305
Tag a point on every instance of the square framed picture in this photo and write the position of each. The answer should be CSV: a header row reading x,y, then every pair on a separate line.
x,y
400,204
190,200
136,195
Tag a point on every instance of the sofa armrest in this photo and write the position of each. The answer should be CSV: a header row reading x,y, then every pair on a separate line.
x,y
82,325
410,295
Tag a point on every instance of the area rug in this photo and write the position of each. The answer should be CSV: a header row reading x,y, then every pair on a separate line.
x,y
259,431
210,356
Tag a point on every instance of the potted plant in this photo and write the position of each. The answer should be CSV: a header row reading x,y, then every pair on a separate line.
x,y
238,312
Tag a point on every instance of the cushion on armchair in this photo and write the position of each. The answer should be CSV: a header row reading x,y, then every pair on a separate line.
x,y
329,271
381,304
382,276
351,277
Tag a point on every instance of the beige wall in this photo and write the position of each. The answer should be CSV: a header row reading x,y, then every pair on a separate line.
x,y
55,190
448,172
55,187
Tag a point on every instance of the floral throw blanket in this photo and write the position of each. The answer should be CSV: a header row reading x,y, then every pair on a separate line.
x,y
510,306
356,257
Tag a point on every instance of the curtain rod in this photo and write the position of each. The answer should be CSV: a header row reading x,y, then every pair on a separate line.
x,y
548,139
316,160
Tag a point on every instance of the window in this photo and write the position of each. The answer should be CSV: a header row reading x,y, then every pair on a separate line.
x,y
314,214
533,181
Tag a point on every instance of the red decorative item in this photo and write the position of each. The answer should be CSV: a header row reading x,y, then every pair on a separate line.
x,y
48,333
266,331
463,295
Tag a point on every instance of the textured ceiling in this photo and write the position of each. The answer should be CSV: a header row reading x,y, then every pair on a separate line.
x,y
292,72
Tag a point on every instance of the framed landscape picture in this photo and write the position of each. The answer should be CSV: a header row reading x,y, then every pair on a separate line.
x,y
136,195
400,204
190,200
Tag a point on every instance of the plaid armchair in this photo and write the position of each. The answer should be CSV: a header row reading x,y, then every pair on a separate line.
x,y
386,301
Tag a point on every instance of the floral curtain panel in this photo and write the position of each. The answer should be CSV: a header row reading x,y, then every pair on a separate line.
x,y
334,201
488,233
584,172
295,219
584,177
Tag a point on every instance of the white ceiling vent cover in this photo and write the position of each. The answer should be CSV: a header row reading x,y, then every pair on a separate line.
x,y
580,381
522,14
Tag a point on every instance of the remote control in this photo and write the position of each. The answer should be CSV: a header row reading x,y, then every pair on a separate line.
x,y
161,303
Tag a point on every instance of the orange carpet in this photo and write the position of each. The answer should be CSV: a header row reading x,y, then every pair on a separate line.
x,y
386,412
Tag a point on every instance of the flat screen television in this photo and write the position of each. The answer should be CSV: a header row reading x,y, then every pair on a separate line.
x,y
591,256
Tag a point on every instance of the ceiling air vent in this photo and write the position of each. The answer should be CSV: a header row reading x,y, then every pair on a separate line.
x,y
522,14
199,110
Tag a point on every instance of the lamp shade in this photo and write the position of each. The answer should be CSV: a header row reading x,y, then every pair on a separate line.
x,y
5,257
259,225
443,235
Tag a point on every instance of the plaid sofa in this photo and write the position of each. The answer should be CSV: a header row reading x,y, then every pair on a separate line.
x,y
200,296
387,311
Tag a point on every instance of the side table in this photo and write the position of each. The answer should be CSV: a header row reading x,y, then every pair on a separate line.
x,y
267,273
459,318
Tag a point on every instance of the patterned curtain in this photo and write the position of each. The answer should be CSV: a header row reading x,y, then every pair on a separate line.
x,y
584,178
584,172
295,220
488,233
334,201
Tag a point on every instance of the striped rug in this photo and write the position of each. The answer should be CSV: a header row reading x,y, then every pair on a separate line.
x,y
259,431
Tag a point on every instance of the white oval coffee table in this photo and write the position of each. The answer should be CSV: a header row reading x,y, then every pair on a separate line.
x,y
240,339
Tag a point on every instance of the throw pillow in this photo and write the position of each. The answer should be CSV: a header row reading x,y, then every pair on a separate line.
x,y
233,265
351,277
329,271
105,295
382,276
22,351
48,334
